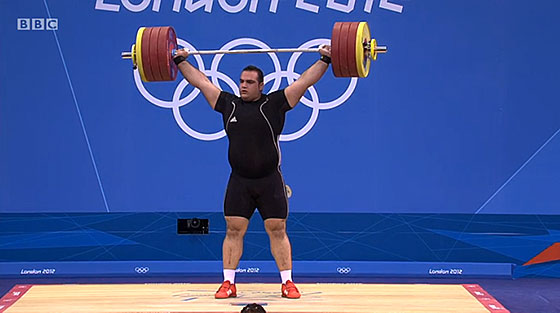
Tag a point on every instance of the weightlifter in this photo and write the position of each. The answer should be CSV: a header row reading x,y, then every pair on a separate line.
x,y
253,123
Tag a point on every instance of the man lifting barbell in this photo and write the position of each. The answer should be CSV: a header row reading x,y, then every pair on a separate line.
x,y
253,123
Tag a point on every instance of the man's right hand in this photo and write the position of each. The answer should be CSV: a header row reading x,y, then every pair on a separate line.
x,y
196,78
325,50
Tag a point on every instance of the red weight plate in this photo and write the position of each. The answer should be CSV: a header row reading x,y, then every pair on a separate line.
x,y
167,41
154,60
351,50
335,51
161,52
162,56
146,61
172,46
343,44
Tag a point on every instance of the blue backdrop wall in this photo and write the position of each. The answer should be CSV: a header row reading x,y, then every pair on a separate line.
x,y
460,117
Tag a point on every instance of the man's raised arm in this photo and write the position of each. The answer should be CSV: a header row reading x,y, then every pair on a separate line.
x,y
197,78
295,91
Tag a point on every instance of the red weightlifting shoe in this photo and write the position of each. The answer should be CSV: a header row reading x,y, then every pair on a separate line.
x,y
290,291
227,290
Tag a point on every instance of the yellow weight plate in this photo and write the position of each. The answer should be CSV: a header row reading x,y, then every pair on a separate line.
x,y
362,59
139,53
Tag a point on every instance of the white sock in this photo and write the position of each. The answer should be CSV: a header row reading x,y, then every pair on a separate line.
x,y
229,275
286,275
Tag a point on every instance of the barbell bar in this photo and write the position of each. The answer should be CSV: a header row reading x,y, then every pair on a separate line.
x,y
352,49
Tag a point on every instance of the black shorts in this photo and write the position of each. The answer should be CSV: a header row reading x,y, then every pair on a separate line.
x,y
268,194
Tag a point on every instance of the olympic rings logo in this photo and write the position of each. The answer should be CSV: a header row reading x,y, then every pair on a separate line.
x,y
343,270
314,103
141,269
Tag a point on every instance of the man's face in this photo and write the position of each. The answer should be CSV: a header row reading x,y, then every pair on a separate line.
x,y
249,86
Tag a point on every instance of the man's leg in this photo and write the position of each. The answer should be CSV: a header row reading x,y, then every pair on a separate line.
x,y
279,242
232,249
282,252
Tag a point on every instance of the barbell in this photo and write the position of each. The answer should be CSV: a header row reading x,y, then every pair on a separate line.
x,y
352,50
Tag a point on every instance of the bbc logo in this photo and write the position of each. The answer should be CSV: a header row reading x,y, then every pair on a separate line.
x,y
37,24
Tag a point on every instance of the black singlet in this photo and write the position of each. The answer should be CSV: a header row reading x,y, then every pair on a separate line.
x,y
253,130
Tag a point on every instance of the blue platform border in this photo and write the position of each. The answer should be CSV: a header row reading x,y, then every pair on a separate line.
x,y
256,268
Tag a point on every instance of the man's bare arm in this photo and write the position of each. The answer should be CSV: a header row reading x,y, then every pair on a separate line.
x,y
313,74
198,79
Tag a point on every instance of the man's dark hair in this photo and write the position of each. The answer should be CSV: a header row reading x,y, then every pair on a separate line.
x,y
253,68
253,308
